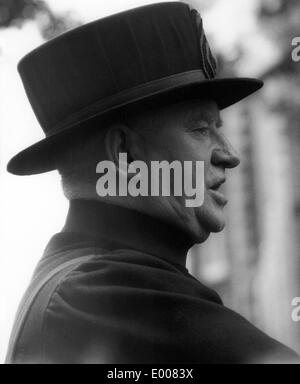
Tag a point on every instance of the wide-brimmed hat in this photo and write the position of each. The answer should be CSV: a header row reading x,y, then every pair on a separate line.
x,y
146,56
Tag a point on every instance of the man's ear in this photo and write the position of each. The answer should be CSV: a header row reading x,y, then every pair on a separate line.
x,y
120,139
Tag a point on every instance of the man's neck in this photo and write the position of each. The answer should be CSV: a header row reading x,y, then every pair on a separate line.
x,y
130,228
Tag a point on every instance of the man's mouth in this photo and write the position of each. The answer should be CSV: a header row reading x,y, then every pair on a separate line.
x,y
216,192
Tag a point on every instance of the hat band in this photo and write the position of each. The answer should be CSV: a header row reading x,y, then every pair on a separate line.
x,y
129,96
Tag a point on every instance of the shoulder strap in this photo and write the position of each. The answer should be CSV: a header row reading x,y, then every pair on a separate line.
x,y
59,273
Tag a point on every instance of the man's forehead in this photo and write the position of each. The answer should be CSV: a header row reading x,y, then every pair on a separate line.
x,y
205,110
187,112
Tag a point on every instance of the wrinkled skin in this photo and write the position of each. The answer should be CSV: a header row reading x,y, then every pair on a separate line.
x,y
189,131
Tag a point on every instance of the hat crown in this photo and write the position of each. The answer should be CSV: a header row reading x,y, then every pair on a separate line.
x,y
107,57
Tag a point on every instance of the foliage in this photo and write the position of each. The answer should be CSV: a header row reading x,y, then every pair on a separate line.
x,y
16,12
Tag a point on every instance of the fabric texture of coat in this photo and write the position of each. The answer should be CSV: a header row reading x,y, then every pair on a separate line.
x,y
106,292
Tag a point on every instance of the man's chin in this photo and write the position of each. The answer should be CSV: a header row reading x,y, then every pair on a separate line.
x,y
218,226
201,237
210,220
199,223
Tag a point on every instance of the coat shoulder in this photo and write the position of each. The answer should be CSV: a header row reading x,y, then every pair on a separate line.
x,y
126,307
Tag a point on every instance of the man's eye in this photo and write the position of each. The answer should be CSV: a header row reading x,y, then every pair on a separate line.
x,y
203,131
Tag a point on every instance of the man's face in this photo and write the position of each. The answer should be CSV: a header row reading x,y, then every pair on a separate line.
x,y
192,131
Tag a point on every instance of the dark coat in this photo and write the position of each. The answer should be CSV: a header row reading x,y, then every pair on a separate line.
x,y
107,292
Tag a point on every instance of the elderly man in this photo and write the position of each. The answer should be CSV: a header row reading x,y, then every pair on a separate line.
x,y
112,287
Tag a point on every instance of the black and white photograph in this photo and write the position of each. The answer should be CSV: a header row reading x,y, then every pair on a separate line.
x,y
149,185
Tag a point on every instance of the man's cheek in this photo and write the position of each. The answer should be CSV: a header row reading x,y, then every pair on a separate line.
x,y
194,183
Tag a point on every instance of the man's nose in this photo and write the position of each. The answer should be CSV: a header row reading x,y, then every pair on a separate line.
x,y
225,157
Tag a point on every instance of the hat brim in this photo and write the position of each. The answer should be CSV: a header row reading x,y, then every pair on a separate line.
x,y
42,156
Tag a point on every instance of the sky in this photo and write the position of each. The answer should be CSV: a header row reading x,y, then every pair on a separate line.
x,y
33,209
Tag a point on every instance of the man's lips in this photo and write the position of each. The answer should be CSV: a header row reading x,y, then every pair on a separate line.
x,y
215,192
216,184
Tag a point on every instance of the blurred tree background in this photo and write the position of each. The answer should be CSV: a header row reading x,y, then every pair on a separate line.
x,y
254,264
281,23
16,12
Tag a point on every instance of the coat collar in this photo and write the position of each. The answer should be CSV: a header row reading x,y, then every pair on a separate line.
x,y
118,227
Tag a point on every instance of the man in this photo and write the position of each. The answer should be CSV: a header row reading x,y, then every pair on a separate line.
x,y
112,287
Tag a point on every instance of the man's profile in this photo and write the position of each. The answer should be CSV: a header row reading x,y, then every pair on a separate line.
x,y
112,286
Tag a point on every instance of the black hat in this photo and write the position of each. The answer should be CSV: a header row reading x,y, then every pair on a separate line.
x,y
152,54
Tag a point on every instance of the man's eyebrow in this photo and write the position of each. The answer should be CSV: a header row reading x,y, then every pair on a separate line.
x,y
193,120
